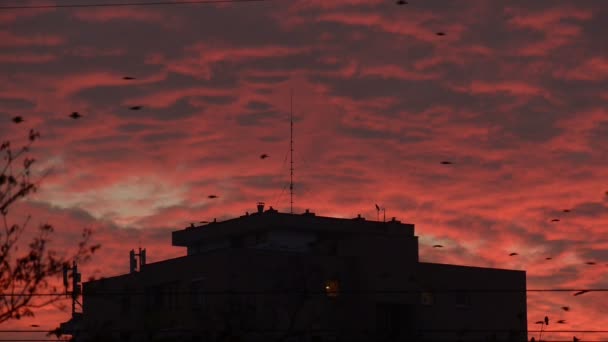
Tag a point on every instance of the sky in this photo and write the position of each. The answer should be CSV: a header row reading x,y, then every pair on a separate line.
x,y
514,95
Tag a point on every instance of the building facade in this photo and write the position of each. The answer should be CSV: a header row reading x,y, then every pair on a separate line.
x,y
271,276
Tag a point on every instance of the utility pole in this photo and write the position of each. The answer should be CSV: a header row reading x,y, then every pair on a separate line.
x,y
291,151
76,286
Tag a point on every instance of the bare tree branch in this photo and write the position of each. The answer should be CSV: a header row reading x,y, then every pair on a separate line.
x,y
23,275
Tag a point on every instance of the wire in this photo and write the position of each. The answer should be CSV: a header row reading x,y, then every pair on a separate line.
x,y
145,3
323,292
470,330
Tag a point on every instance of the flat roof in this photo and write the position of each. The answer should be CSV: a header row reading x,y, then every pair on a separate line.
x,y
272,219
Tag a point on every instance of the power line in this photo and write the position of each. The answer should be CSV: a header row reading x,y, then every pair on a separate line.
x,y
145,3
319,292
438,330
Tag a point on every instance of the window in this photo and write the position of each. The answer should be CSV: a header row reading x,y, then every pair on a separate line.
x,y
427,298
236,242
162,297
170,294
463,300
197,297
332,288
125,304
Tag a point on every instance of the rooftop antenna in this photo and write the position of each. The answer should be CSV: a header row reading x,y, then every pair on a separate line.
x,y
291,151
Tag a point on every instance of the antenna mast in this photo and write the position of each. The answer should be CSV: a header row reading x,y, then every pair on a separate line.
x,y
291,150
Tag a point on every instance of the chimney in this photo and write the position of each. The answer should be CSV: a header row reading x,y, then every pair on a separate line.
x,y
260,207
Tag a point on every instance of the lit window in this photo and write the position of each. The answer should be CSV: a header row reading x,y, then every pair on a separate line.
x,y
332,288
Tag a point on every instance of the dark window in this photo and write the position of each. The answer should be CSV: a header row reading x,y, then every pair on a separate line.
x,y
197,297
333,247
162,297
236,242
170,295
125,304
463,300
395,320
427,298
154,298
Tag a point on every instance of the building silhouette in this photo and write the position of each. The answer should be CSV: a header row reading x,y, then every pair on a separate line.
x,y
272,276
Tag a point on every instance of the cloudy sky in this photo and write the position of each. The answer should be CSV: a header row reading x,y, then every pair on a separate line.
x,y
514,95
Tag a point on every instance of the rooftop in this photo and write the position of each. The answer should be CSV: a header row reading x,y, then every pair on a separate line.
x,y
272,219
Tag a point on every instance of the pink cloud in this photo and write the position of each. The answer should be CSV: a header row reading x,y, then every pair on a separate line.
x,y
546,20
27,58
592,69
10,39
104,15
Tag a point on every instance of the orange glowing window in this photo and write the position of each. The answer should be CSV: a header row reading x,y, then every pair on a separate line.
x,y
332,288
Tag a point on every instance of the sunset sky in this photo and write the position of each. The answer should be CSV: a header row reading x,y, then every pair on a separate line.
x,y
514,94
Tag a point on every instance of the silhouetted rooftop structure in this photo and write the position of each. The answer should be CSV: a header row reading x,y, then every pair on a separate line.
x,y
270,276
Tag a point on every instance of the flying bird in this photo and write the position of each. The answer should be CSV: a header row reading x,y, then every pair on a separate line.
x,y
580,292
128,78
17,119
440,33
135,107
75,115
590,263
263,156
401,2
566,210
512,254
212,196
437,246
566,308
35,326
555,220
561,321
548,258
446,162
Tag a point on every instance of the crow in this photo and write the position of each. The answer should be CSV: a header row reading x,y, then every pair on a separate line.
x,y
546,320
561,321
263,156
440,33
590,263
17,119
446,162
128,78
437,246
75,115
548,258
212,196
566,210
401,2
135,107
566,308
555,220
512,254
